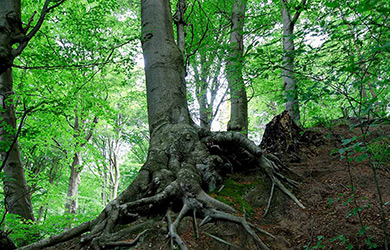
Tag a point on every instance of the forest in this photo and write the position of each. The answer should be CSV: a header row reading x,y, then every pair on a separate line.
x,y
194,124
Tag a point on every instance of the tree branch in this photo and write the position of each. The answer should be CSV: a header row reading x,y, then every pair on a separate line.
x,y
46,9
299,11
16,137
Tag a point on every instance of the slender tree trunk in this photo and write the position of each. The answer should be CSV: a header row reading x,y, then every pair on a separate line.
x,y
75,169
239,104
17,197
364,66
207,87
201,85
288,76
74,181
180,24
41,212
114,169
104,188
116,180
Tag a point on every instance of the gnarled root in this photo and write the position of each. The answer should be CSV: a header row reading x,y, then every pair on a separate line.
x,y
206,207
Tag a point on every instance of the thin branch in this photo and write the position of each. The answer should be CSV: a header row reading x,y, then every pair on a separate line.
x,y
299,11
15,138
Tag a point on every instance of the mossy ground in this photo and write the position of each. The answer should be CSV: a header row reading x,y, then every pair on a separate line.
x,y
233,191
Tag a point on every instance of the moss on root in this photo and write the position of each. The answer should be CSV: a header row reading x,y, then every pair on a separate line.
x,y
233,194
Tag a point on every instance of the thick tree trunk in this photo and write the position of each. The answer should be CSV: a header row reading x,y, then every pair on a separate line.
x,y
73,185
164,67
288,76
17,197
239,104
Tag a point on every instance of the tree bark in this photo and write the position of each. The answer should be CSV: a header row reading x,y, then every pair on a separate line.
x,y
180,24
239,104
17,197
104,188
201,85
75,169
114,167
288,76
74,181
164,67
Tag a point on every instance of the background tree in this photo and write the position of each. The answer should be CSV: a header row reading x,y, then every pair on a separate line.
x,y
48,75
205,58
288,74
17,196
238,99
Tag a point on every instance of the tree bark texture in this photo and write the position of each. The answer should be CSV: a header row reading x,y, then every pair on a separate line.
x,y
202,85
180,24
73,185
239,104
114,167
16,190
164,67
288,76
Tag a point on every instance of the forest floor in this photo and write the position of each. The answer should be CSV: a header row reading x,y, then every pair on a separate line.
x,y
330,219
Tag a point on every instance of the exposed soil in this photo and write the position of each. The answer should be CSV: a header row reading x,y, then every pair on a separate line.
x,y
330,216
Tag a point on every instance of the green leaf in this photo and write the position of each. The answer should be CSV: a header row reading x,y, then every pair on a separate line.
x,y
361,157
332,4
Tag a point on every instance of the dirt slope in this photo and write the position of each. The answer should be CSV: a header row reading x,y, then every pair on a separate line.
x,y
331,216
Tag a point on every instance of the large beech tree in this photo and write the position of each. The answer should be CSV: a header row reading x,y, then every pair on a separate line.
x,y
180,167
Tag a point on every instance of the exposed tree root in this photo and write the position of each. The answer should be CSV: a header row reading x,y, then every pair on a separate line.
x,y
222,240
217,215
173,228
183,163
67,235
126,243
